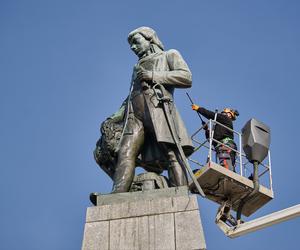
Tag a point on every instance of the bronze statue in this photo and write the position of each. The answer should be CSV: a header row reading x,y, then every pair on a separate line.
x,y
152,130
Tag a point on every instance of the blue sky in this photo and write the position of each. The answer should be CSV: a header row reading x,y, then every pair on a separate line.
x,y
66,65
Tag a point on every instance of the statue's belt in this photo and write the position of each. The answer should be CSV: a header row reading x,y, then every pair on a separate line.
x,y
146,91
141,87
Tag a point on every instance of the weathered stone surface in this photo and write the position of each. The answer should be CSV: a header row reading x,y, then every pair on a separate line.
x,y
96,236
162,231
141,208
153,232
108,199
124,233
189,232
160,223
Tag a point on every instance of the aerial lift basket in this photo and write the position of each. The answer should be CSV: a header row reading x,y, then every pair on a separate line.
x,y
222,185
234,190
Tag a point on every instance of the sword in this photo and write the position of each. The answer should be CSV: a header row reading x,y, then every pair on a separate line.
x,y
165,101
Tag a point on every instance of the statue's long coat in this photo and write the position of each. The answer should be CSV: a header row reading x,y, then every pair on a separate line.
x,y
169,69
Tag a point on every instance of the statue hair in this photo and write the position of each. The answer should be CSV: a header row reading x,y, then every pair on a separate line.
x,y
149,34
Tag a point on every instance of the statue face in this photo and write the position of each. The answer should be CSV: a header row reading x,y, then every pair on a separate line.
x,y
139,45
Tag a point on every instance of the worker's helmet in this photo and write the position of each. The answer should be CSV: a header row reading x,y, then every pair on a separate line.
x,y
234,113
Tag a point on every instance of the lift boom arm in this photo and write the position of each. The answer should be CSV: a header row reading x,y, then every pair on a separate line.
x,y
260,223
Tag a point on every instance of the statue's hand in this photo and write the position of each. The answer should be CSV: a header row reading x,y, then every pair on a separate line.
x,y
144,75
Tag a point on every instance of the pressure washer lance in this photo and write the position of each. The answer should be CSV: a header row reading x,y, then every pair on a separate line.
x,y
203,122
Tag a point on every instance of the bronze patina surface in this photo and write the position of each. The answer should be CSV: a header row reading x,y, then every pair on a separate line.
x,y
143,132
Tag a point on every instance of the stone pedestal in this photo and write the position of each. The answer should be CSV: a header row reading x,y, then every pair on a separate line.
x,y
159,219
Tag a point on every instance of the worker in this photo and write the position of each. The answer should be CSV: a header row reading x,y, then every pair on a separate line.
x,y
223,137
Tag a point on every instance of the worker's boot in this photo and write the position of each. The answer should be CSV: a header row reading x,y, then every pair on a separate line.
x,y
176,171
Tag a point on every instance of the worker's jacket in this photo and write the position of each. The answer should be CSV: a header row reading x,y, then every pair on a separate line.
x,y
220,132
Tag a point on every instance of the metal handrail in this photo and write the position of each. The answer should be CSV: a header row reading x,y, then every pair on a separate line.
x,y
221,143
227,127
240,154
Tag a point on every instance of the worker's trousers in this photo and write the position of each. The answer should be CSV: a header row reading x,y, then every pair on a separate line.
x,y
226,155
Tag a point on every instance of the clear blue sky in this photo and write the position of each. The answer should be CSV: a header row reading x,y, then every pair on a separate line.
x,y
66,65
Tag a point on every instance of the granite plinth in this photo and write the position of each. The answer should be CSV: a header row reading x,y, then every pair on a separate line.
x,y
158,219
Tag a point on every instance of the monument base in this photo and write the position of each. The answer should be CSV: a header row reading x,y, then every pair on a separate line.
x,y
158,219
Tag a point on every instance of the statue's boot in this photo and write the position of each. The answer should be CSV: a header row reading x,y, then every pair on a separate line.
x,y
177,173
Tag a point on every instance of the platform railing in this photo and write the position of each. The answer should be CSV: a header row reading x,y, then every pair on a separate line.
x,y
241,161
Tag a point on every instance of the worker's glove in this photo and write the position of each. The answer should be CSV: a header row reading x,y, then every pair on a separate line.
x,y
195,107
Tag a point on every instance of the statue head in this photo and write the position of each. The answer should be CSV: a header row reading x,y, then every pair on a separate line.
x,y
143,41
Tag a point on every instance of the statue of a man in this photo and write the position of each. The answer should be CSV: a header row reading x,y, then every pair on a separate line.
x,y
149,126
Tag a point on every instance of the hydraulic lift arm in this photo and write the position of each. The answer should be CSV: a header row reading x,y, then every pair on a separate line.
x,y
259,223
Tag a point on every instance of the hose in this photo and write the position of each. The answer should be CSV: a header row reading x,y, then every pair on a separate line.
x,y
250,195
